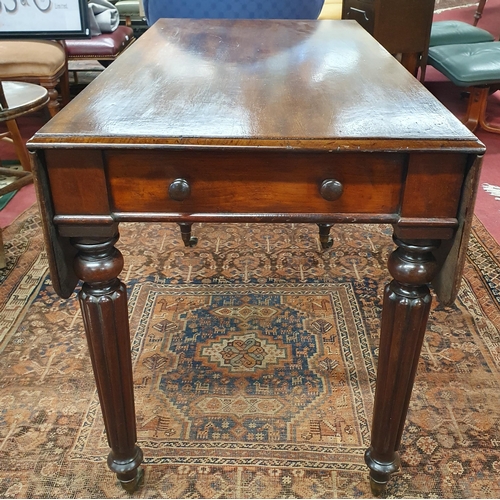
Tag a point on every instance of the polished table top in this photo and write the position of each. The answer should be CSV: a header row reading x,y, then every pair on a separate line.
x,y
303,84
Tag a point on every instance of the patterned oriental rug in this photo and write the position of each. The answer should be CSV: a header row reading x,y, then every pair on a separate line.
x,y
255,356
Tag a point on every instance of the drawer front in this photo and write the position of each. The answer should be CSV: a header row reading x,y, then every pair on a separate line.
x,y
189,182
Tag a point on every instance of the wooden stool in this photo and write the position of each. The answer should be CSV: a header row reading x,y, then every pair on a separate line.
x,y
17,99
475,66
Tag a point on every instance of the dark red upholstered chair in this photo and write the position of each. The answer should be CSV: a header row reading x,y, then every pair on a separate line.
x,y
105,47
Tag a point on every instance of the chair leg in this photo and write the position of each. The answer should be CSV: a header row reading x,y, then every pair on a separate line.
x,y
53,105
479,12
3,260
19,145
482,119
476,110
64,84
23,178
471,120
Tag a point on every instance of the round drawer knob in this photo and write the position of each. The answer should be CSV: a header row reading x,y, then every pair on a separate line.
x,y
331,189
179,190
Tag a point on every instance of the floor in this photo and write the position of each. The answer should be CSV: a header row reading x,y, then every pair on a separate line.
x,y
24,198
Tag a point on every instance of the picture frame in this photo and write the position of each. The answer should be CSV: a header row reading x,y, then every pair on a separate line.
x,y
44,19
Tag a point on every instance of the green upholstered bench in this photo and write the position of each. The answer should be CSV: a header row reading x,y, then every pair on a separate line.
x,y
475,66
457,32
454,32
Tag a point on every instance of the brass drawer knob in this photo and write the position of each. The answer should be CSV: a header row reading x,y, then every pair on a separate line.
x,y
331,189
179,190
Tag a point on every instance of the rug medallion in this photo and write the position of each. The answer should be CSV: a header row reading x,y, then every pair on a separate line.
x,y
255,367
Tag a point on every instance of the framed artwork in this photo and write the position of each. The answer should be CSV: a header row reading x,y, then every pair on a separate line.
x,y
44,19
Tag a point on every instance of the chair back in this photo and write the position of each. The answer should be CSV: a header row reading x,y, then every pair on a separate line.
x,y
232,9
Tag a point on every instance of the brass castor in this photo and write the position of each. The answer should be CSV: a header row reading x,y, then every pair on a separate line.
x,y
191,242
132,484
377,487
188,240
324,236
380,472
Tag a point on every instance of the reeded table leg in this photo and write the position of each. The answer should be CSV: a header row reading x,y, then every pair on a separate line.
x,y
406,308
103,300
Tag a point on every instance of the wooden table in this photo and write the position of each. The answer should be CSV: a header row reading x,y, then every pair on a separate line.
x,y
256,121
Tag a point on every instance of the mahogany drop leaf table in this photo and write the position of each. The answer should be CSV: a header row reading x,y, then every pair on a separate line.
x,y
256,121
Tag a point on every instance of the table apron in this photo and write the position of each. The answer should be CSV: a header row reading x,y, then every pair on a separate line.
x,y
102,187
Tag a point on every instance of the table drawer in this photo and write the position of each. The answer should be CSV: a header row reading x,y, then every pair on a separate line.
x,y
254,182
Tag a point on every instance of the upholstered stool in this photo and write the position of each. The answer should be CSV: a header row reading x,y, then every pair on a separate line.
x,y
457,32
107,46
36,61
472,65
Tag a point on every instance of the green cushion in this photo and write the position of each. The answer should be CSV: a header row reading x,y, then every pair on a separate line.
x,y
452,32
469,63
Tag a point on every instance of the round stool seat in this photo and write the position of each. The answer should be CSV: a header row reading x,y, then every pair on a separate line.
x,y
22,98
457,32
468,64
30,59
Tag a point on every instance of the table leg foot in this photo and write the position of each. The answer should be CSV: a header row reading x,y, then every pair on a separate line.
x,y
376,487
103,301
132,485
380,473
324,236
188,240
128,471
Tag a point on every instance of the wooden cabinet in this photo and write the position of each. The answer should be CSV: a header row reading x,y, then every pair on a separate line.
x,y
402,26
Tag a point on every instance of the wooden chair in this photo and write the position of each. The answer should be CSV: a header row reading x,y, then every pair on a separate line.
x,y
41,62
17,99
104,48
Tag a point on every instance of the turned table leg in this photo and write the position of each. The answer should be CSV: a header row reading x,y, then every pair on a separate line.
x,y
407,301
103,301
